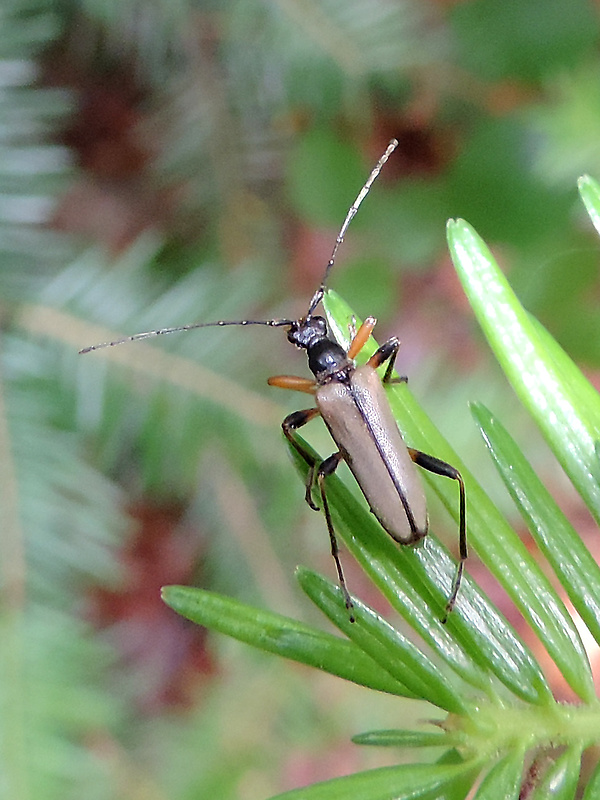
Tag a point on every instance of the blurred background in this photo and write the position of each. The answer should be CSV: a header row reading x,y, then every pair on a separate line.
x,y
164,162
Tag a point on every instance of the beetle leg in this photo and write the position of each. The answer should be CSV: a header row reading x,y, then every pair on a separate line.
x,y
387,352
291,423
328,467
293,382
435,465
360,337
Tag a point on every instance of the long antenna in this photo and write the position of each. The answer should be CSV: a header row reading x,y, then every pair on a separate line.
x,y
272,323
318,295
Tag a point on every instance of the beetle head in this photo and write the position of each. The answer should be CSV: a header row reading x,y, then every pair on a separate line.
x,y
307,331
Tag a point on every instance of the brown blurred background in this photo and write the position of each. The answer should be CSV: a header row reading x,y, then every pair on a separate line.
x,y
165,162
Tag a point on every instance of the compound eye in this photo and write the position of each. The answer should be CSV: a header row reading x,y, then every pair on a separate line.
x,y
292,332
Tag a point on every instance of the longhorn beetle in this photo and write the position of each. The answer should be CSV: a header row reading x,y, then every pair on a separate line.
x,y
352,402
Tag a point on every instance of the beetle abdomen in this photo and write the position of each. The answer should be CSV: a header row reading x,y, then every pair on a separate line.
x,y
359,418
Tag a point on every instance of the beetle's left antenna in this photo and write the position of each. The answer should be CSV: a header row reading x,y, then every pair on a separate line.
x,y
318,295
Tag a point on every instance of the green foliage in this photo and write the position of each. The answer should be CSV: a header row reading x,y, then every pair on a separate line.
x,y
500,710
493,165
52,667
328,54
251,117
511,45
32,168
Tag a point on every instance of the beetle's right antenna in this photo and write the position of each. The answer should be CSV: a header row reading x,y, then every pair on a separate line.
x,y
271,323
318,295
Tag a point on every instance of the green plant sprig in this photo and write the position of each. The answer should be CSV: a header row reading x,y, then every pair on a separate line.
x,y
502,722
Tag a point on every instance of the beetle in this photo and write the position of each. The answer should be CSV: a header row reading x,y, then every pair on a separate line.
x,y
352,402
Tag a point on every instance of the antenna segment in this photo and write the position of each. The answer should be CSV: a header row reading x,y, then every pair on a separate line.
x,y
318,296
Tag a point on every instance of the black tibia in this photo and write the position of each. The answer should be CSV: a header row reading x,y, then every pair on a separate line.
x,y
439,467
327,468
388,352
291,423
